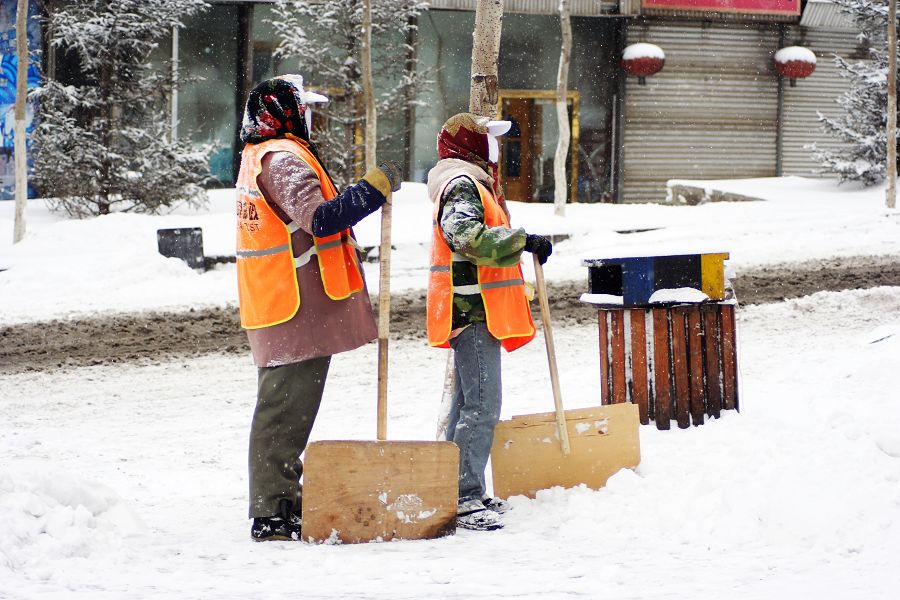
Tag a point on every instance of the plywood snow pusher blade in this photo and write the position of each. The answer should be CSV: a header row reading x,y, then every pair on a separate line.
x,y
364,491
527,455
566,447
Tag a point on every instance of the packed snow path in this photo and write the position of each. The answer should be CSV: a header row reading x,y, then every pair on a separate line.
x,y
131,482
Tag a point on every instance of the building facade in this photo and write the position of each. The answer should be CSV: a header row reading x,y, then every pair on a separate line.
x,y
717,110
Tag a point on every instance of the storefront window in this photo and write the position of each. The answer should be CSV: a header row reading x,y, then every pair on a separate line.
x,y
264,43
527,70
208,49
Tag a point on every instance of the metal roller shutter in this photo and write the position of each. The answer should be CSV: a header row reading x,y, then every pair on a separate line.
x,y
817,93
711,113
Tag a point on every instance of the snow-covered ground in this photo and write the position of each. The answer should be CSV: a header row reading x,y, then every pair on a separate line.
x,y
76,268
130,482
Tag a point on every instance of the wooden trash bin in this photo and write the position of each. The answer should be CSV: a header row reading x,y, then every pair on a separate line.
x,y
676,360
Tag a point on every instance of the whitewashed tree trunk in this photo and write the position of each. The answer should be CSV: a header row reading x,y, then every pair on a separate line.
x,y
892,106
485,51
21,165
368,88
560,194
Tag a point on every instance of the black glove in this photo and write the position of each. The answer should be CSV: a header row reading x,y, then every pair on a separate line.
x,y
392,172
539,246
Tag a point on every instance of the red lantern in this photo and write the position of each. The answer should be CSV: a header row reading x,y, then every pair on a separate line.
x,y
643,60
795,62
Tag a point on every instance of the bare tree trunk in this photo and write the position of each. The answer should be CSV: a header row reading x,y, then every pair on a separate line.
x,y
485,50
560,194
21,165
104,196
174,101
892,105
368,92
412,34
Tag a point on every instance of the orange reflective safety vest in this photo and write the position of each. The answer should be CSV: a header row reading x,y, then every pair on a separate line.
x,y
268,291
502,288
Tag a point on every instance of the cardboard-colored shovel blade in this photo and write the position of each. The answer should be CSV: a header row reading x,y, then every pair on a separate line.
x,y
527,456
365,491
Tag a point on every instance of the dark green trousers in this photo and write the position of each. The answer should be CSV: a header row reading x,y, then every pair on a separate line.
x,y
287,401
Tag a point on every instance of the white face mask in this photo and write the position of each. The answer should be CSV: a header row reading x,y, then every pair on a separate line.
x,y
493,149
304,97
494,130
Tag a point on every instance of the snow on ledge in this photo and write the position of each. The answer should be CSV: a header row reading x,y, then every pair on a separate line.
x,y
664,296
684,294
643,50
602,299
798,53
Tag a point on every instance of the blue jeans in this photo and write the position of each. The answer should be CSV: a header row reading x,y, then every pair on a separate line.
x,y
476,405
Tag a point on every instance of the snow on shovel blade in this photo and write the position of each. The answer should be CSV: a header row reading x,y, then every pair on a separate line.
x,y
365,491
527,456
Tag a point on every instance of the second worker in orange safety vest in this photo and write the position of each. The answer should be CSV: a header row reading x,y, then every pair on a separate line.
x,y
477,300
300,285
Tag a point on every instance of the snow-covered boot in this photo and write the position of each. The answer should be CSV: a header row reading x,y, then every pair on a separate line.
x,y
285,526
498,505
473,515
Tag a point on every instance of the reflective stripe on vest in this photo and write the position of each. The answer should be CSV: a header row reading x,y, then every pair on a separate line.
x,y
502,289
268,290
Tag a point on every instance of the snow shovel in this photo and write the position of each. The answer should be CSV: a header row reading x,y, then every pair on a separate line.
x,y
562,448
364,491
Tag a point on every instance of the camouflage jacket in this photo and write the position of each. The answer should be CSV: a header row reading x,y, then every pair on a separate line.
x,y
463,228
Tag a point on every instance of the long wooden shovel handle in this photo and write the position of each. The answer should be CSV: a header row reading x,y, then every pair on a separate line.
x,y
551,355
384,317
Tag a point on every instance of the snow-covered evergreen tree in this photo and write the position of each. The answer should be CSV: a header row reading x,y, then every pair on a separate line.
x,y
863,125
324,40
105,144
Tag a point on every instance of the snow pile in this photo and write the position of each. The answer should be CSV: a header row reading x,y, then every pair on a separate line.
x,y
69,267
857,396
878,356
51,513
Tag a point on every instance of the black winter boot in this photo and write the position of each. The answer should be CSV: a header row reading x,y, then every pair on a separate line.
x,y
285,526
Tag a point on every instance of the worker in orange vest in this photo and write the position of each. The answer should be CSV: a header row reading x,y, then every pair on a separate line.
x,y
477,298
301,287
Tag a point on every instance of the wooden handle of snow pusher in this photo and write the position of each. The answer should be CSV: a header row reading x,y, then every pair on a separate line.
x,y
551,355
384,317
